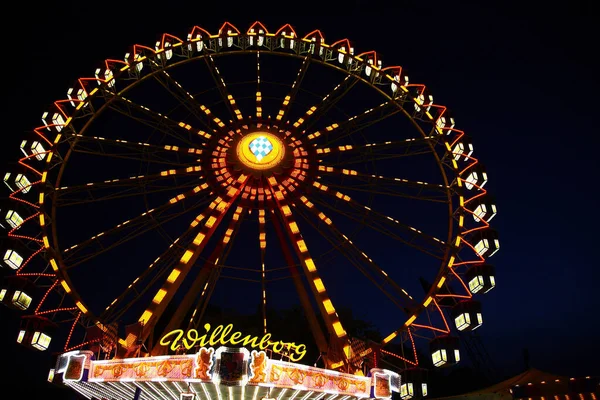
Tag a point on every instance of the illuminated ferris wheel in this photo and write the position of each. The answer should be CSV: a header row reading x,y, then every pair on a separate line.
x,y
273,162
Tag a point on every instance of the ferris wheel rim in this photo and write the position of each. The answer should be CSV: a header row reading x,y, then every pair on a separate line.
x,y
448,251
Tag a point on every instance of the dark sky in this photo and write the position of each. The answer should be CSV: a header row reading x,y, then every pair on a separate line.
x,y
521,81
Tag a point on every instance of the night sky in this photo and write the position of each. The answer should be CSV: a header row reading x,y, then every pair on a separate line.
x,y
522,82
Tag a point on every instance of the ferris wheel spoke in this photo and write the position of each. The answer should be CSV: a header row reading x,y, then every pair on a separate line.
x,y
258,93
135,231
147,157
367,158
412,145
177,130
155,271
356,123
314,114
137,225
289,99
185,98
136,146
228,99
213,216
262,242
314,324
411,237
384,185
358,258
324,303
203,284
126,182
135,187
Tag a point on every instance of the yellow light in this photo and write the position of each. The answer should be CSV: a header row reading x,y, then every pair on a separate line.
x,y
53,264
41,199
160,295
231,192
319,285
81,307
328,306
42,222
441,282
65,286
286,211
390,337
429,299
347,350
302,246
186,256
310,265
339,330
145,317
210,222
173,275
46,243
294,227
199,238
410,320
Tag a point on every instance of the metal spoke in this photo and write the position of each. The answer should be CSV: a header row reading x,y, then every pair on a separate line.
x,y
147,279
213,216
124,187
326,308
227,98
140,224
136,146
262,242
356,123
282,115
314,113
184,98
135,156
377,147
382,223
388,186
363,154
203,285
160,122
142,188
357,257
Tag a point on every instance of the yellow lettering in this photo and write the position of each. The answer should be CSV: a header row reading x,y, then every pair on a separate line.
x,y
251,341
178,333
203,337
226,331
277,349
192,336
224,335
214,335
234,338
298,353
264,342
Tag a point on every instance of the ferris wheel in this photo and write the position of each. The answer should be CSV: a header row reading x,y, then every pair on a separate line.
x,y
275,162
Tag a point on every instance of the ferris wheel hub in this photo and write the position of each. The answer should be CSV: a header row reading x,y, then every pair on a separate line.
x,y
260,150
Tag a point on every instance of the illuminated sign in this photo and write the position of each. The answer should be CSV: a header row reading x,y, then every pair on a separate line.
x,y
223,335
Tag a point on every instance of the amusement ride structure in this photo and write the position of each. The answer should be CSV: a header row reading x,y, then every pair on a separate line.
x,y
203,159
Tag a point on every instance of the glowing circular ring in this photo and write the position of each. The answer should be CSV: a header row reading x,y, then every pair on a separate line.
x,y
251,160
